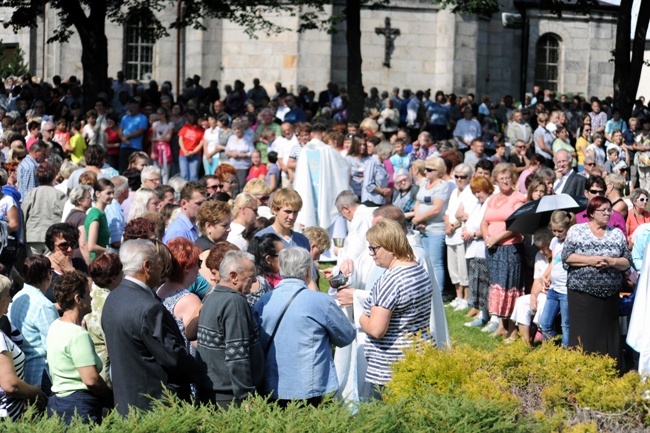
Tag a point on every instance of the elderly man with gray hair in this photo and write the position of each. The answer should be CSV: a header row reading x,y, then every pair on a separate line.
x,y
146,347
230,356
297,328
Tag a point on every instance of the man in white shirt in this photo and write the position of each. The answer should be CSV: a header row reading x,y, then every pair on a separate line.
x,y
467,129
283,145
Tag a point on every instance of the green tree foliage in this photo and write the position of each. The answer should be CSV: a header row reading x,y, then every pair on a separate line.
x,y
13,64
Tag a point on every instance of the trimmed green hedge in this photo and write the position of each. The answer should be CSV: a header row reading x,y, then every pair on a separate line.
x,y
466,390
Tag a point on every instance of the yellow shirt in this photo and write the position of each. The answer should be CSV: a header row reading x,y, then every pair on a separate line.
x,y
581,147
78,145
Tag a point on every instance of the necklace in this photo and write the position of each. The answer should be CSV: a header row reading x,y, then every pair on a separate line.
x,y
643,219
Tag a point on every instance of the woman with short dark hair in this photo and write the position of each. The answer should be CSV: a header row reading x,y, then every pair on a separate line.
x,y
596,256
77,386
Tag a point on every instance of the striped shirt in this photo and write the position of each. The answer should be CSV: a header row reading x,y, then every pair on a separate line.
x,y
11,406
405,291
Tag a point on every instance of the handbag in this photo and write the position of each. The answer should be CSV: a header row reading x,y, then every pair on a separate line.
x,y
277,325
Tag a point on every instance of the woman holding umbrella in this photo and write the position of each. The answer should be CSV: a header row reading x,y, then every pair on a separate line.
x,y
504,249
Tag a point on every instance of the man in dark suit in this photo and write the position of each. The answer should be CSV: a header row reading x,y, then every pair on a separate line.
x,y
146,348
568,181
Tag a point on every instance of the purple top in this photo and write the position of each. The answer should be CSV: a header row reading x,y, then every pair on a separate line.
x,y
616,220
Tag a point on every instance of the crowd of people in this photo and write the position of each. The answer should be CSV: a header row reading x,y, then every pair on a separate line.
x,y
154,242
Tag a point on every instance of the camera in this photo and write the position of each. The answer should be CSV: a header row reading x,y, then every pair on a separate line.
x,y
338,281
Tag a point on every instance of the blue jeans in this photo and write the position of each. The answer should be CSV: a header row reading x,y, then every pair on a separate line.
x,y
555,302
190,167
435,247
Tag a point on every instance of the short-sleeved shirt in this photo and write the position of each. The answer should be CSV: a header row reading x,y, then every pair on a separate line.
x,y
103,234
425,198
78,145
558,273
601,283
11,406
129,125
272,170
406,291
69,347
498,210
192,136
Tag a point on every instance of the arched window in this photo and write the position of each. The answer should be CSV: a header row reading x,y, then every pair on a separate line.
x,y
138,53
547,65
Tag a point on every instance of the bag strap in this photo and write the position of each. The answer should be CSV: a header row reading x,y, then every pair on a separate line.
x,y
277,325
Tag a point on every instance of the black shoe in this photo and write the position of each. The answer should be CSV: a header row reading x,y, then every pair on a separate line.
x,y
447,297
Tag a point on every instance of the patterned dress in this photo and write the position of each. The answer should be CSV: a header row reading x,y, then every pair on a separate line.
x,y
503,261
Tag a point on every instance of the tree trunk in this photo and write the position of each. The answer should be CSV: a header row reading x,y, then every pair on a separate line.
x,y
355,79
94,48
627,70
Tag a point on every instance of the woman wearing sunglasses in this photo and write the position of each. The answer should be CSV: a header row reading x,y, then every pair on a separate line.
x,y
638,214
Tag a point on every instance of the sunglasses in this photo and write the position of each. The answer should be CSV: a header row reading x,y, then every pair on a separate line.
x,y
460,177
264,198
591,164
643,200
429,170
597,192
64,246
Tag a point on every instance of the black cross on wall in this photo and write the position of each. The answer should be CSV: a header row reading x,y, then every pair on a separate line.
x,y
390,34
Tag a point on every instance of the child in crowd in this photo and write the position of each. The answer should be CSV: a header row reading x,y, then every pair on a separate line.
x,y
257,169
528,308
613,164
272,171
554,279
400,159
77,145
88,131
61,135
319,242
500,153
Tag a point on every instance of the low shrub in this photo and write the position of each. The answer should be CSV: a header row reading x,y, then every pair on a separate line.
x,y
556,387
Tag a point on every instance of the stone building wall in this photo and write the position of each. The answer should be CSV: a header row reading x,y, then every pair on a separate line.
x,y
436,50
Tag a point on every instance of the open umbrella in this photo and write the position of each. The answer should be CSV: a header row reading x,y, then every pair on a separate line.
x,y
535,214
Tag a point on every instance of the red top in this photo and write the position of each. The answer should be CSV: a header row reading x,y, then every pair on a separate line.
x,y
256,172
192,136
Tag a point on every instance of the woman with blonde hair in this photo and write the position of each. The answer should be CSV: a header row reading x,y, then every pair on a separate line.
x,y
262,191
399,304
504,250
245,213
144,200
418,172
430,207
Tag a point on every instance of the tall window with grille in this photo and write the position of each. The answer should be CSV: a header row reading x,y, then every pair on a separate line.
x,y
138,53
547,66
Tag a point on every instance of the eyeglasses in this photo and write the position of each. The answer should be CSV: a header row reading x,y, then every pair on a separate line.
x,y
154,180
64,246
264,198
605,211
596,192
587,130
643,200
591,164
231,181
48,130
460,177
429,170
401,181
520,147
373,250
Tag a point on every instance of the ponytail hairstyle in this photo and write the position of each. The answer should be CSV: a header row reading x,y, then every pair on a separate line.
x,y
563,218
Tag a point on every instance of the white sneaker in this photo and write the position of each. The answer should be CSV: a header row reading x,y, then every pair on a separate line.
x,y
453,303
461,305
490,327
